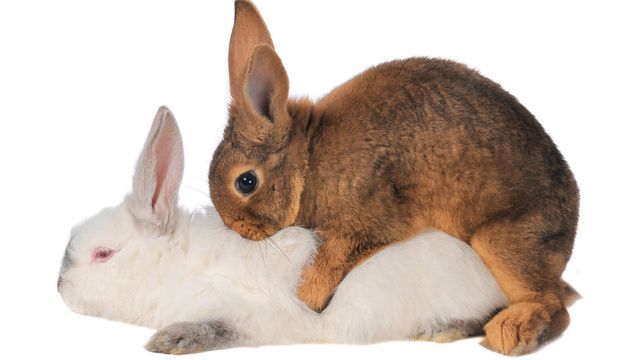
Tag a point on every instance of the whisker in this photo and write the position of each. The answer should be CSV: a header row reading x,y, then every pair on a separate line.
x,y
204,181
276,246
264,263
268,244
199,191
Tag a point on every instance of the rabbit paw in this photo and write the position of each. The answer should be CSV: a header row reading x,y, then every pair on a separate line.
x,y
315,299
444,336
317,284
521,328
189,337
452,330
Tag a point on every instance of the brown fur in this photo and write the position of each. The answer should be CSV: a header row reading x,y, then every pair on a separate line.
x,y
405,145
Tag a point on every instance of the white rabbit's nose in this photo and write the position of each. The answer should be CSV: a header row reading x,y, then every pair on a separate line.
x,y
67,261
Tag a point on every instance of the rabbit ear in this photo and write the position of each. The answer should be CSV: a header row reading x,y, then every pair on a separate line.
x,y
159,173
249,30
263,99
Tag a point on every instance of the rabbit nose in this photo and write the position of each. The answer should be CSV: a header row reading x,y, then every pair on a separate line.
x,y
59,283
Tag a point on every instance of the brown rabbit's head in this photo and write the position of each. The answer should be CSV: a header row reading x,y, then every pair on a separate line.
x,y
256,175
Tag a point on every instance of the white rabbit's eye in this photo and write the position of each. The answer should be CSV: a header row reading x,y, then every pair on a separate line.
x,y
101,254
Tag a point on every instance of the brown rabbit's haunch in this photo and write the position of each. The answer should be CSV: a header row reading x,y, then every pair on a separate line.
x,y
406,145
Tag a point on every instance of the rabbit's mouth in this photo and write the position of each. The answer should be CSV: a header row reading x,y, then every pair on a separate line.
x,y
252,231
68,294
77,304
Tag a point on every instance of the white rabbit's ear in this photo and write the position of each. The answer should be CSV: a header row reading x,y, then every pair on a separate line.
x,y
159,173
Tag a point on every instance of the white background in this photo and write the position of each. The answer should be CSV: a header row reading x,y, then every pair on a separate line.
x,y
80,83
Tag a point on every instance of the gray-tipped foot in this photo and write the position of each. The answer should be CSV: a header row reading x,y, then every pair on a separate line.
x,y
189,337
452,330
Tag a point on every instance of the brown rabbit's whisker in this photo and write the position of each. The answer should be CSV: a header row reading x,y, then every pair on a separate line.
x,y
199,192
264,262
277,247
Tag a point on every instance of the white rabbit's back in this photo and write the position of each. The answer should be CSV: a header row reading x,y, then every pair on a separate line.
x,y
412,288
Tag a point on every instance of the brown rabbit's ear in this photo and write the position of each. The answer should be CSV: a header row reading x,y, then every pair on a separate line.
x,y
249,30
262,99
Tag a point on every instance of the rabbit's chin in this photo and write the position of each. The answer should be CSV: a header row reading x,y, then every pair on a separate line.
x,y
97,310
74,304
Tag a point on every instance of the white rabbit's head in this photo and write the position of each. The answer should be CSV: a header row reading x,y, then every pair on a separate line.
x,y
111,255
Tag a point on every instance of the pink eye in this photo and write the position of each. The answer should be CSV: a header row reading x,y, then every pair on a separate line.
x,y
101,254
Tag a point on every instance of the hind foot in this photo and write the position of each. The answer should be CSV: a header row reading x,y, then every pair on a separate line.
x,y
522,327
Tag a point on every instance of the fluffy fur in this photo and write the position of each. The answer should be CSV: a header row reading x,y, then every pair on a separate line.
x,y
206,288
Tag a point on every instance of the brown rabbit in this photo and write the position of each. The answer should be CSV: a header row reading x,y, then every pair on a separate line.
x,y
406,145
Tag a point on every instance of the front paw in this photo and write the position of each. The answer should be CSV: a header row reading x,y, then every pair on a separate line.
x,y
444,336
313,296
188,338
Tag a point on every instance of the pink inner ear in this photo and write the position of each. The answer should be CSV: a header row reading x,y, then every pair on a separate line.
x,y
163,150
260,88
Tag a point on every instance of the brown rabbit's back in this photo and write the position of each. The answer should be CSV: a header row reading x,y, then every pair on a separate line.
x,y
430,142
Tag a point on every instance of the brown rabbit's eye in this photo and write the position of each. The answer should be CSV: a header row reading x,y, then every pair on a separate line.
x,y
247,182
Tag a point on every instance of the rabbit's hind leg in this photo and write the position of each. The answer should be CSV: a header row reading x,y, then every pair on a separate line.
x,y
527,256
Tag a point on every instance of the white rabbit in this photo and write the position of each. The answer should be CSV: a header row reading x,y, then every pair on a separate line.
x,y
150,263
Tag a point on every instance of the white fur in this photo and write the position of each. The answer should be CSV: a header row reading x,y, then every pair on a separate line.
x,y
198,270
